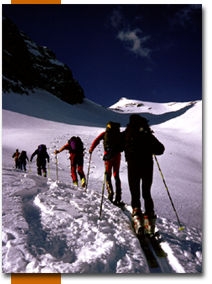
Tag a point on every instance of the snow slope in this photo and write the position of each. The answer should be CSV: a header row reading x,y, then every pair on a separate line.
x,y
51,226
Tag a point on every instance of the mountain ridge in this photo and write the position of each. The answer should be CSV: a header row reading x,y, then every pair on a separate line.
x,y
90,113
27,66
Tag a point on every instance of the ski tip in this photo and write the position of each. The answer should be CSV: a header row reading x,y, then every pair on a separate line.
x,y
181,228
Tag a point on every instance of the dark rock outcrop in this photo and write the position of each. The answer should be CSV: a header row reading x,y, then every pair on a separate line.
x,y
27,66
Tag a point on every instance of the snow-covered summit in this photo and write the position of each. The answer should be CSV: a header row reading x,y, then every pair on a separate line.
x,y
166,114
130,105
138,106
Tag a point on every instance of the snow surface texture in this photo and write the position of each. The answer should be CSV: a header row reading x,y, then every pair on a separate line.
x,y
51,226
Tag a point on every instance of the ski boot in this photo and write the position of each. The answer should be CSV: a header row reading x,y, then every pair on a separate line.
x,y
109,191
150,220
147,226
83,182
137,218
118,202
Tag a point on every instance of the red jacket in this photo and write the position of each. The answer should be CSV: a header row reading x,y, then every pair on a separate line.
x,y
96,141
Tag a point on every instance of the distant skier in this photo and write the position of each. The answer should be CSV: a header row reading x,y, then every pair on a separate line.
x,y
76,150
15,156
42,157
140,145
112,143
23,160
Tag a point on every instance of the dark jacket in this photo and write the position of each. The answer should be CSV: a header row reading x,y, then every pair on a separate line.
x,y
41,156
23,157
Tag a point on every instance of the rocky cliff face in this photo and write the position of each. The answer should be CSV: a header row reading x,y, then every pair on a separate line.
x,y
27,66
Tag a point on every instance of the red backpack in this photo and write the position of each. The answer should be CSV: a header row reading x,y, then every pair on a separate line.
x,y
75,145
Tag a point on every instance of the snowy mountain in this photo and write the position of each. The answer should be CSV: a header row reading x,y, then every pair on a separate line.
x,y
51,226
27,66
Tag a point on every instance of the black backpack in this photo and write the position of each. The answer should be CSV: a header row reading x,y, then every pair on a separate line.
x,y
76,145
23,156
112,139
42,148
139,140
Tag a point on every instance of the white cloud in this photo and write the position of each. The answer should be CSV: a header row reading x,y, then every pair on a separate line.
x,y
135,42
116,18
184,17
133,38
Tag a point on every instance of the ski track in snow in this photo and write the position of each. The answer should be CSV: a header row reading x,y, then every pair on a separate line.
x,y
69,237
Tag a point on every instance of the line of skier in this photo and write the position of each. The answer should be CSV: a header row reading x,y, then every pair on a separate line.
x,y
139,145
21,159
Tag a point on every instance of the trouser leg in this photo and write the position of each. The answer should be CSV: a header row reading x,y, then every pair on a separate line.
x,y
82,175
147,174
108,173
109,186
73,168
116,167
134,184
39,170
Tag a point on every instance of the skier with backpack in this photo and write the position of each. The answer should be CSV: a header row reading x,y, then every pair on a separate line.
x,y
140,146
112,158
23,158
76,150
42,157
15,156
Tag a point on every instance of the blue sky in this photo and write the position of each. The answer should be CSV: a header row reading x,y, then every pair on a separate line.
x,y
147,52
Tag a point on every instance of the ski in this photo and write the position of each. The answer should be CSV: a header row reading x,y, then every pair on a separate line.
x,y
150,257
155,242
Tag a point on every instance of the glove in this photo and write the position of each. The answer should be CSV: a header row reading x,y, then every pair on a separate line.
x,y
90,151
56,152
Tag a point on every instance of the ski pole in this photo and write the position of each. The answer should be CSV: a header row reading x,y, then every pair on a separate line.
x,y
48,170
159,168
29,167
103,189
89,166
56,168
